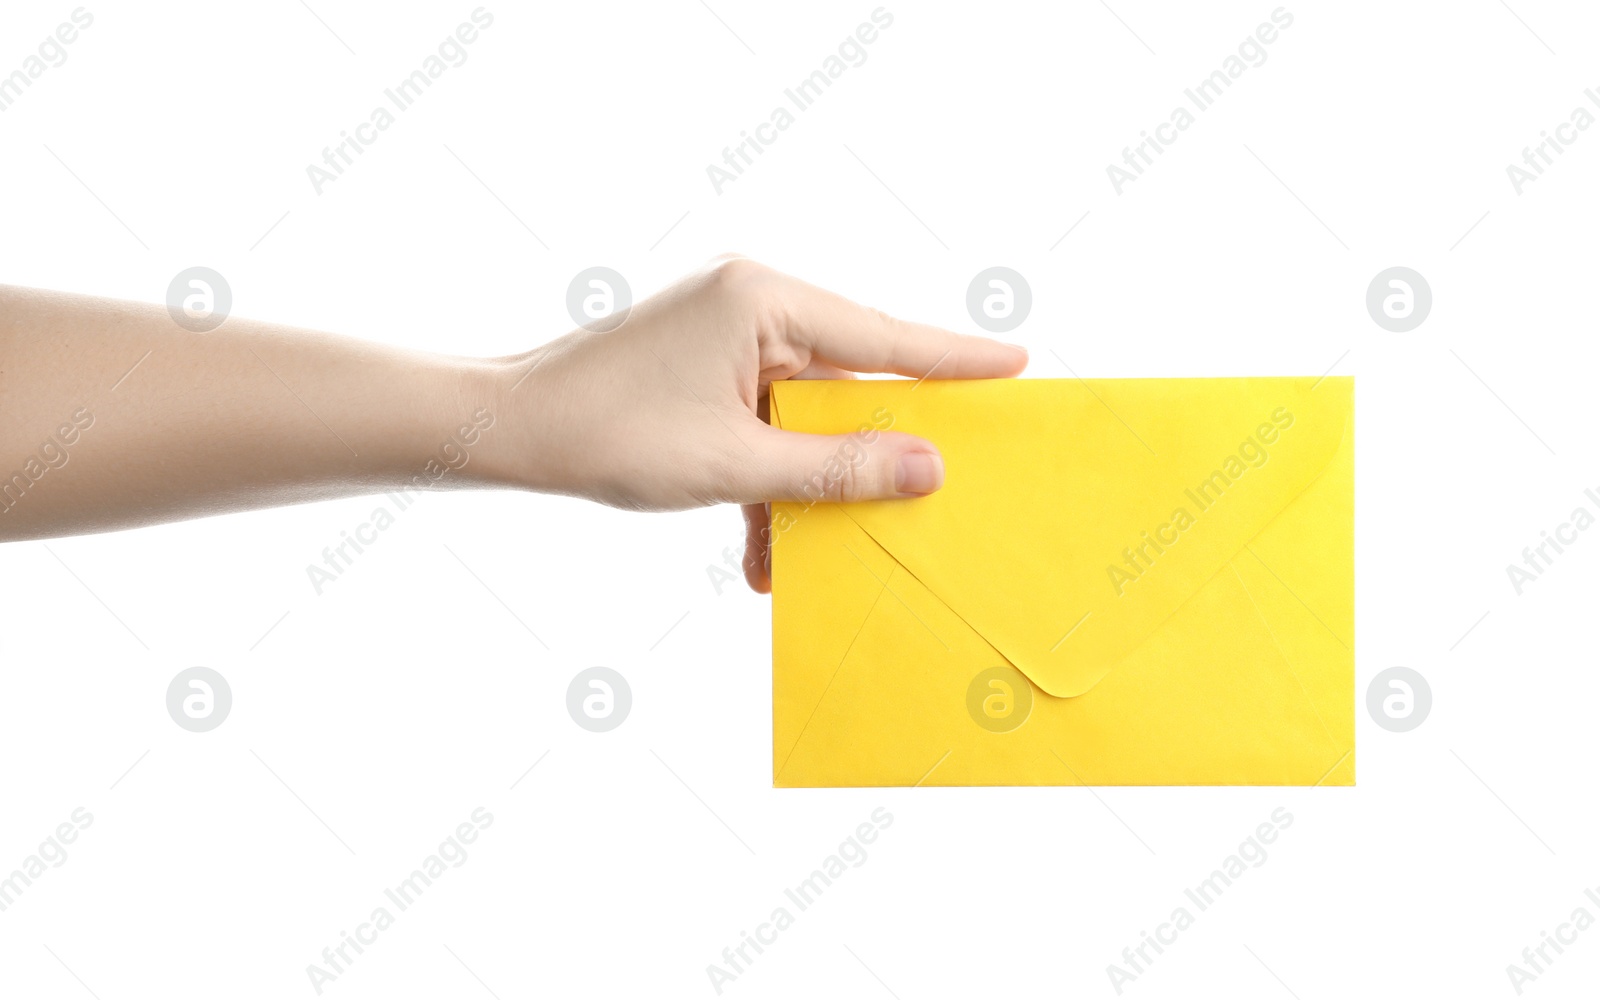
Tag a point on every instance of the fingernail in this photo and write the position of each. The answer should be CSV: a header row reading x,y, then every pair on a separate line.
x,y
919,473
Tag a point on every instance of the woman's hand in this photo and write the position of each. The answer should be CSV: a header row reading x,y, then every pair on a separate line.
x,y
668,410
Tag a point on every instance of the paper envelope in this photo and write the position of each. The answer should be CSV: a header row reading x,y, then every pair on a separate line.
x,y
1122,582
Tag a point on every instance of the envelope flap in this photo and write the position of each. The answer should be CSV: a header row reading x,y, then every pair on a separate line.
x,y
1076,515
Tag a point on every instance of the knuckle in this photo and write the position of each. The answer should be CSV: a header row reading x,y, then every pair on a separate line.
x,y
888,322
893,334
735,274
849,482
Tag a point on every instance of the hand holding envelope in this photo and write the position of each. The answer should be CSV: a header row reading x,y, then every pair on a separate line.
x,y
1123,581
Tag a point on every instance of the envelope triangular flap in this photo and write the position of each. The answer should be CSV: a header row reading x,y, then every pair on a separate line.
x,y
1077,516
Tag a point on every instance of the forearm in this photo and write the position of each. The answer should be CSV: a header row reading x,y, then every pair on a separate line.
x,y
112,416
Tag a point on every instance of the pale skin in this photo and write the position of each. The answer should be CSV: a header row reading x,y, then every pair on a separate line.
x,y
117,417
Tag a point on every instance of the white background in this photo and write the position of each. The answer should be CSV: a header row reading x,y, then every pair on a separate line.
x,y
391,706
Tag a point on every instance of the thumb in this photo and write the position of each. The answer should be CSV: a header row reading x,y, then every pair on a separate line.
x,y
839,468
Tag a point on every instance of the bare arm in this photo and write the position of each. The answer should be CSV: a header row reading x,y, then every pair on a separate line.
x,y
113,416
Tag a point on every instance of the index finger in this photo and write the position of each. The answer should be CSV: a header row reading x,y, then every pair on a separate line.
x,y
863,339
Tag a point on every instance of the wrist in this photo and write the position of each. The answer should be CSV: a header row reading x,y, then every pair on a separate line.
x,y
497,403
448,417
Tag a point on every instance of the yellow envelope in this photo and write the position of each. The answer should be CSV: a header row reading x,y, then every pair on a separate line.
x,y
1122,582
